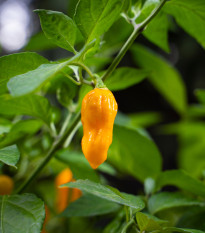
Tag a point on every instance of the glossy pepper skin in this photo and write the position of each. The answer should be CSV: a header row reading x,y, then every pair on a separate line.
x,y
98,112
65,195
6,185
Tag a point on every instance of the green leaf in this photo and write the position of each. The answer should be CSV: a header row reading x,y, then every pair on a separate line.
x,y
125,77
127,5
59,28
90,205
163,76
31,105
108,193
123,120
200,93
33,80
10,155
113,43
165,200
95,17
78,165
5,125
19,130
144,8
181,180
193,218
81,225
149,223
66,91
39,42
175,229
196,111
134,153
107,168
138,121
46,190
21,213
115,224
71,7
192,145
145,119
19,63
157,31
95,49
190,16
98,62
191,230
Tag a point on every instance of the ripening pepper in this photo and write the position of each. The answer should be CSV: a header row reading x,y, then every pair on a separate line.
x,y
6,185
46,219
65,195
98,112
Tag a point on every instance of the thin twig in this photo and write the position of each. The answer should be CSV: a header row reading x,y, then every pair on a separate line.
x,y
137,30
56,145
82,80
84,67
72,80
124,230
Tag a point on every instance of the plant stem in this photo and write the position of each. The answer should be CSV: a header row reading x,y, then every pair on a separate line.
x,y
56,144
127,214
80,72
65,124
53,129
121,54
124,230
84,67
73,80
152,15
87,82
137,30
70,136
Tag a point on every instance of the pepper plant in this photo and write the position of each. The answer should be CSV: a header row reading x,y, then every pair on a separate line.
x,y
41,130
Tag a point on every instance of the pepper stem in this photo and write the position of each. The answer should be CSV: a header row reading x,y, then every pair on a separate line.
x,y
98,82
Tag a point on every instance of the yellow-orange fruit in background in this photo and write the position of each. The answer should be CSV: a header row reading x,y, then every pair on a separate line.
x,y
46,220
62,193
76,193
98,112
65,195
6,185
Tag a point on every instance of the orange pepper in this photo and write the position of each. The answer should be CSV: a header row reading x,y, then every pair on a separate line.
x,y
62,195
76,193
98,112
6,185
46,219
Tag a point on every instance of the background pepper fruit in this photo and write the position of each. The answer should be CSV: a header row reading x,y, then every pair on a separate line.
x,y
46,219
98,112
65,195
6,185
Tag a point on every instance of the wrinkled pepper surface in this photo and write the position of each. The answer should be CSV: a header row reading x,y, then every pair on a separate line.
x,y
98,112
